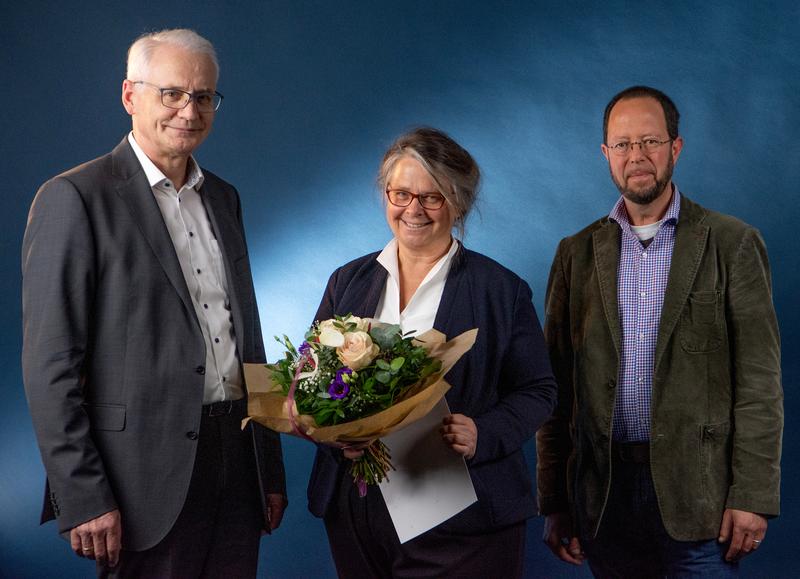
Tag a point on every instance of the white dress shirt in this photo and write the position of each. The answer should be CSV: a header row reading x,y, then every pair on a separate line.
x,y
420,311
204,271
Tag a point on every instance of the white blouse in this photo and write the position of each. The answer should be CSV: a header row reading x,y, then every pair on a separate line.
x,y
420,312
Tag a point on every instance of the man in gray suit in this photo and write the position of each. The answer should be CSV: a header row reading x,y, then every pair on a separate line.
x,y
138,311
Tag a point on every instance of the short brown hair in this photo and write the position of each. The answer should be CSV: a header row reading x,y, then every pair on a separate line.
x,y
671,114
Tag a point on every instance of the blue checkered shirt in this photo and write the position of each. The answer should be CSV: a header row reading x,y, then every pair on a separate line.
x,y
642,281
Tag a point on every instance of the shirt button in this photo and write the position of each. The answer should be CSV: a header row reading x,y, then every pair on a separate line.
x,y
191,435
198,270
642,294
167,183
191,234
641,336
216,340
200,369
644,255
205,306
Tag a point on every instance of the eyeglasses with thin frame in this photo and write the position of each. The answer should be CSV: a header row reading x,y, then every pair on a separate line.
x,y
624,148
403,198
175,98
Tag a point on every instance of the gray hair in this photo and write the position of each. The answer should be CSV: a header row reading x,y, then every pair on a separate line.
x,y
141,51
452,168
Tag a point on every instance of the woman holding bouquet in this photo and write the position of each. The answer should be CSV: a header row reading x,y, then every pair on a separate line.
x,y
502,389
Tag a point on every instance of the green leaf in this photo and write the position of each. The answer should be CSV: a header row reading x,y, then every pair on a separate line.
x,y
385,336
397,363
383,364
383,377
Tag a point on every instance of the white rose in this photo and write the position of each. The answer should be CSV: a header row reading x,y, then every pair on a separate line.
x,y
358,351
329,335
362,324
327,325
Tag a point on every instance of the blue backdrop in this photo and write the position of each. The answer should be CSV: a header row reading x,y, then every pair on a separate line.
x,y
315,91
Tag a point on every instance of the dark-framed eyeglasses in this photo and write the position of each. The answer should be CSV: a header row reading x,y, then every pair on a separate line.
x,y
175,98
624,148
403,198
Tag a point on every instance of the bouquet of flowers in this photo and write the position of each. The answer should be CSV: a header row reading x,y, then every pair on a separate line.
x,y
352,381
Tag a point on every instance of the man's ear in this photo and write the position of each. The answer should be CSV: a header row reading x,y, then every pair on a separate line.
x,y
127,96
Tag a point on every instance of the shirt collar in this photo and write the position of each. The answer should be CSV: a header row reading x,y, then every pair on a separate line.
x,y
156,178
388,259
620,214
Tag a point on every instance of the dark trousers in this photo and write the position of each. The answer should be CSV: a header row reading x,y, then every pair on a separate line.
x,y
633,543
365,545
218,531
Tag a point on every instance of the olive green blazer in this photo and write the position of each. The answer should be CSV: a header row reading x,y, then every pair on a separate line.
x,y
717,401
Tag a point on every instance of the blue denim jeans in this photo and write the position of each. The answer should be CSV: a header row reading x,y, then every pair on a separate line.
x,y
633,544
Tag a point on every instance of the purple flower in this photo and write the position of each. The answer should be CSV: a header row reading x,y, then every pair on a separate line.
x,y
304,348
339,388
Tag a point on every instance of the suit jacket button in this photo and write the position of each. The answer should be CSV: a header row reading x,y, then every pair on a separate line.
x,y
191,435
200,369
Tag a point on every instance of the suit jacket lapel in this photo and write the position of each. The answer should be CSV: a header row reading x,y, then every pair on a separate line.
x,y
135,191
362,301
606,242
455,312
690,242
223,231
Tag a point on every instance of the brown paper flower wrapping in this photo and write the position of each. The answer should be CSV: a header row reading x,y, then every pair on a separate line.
x,y
267,404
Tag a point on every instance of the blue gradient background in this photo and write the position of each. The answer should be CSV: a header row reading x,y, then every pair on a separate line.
x,y
315,91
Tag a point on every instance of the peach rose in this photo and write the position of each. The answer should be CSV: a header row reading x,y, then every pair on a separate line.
x,y
358,351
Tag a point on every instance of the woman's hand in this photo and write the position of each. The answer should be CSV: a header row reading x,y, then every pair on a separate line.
x,y
460,433
354,451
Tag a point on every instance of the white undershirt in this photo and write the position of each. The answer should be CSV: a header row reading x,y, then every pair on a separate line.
x,y
204,271
645,232
420,312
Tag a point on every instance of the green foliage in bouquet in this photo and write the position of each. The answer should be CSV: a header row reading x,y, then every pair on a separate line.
x,y
348,369
351,369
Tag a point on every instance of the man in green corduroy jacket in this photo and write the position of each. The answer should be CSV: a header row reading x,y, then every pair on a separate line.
x,y
663,456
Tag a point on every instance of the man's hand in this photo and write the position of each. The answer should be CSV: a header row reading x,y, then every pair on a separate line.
x,y
558,536
276,503
460,433
744,530
99,539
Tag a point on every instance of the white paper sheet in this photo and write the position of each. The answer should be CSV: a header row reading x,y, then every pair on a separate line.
x,y
431,483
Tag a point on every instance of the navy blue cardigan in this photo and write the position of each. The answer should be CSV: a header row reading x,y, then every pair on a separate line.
x,y
504,383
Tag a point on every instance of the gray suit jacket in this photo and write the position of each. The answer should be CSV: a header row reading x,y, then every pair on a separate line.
x,y
113,353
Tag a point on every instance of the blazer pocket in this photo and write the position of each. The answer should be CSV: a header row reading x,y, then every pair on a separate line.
x,y
701,322
106,416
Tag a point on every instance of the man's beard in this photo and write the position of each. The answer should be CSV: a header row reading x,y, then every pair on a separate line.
x,y
647,196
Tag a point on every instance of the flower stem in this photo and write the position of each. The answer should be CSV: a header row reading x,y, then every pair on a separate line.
x,y
372,467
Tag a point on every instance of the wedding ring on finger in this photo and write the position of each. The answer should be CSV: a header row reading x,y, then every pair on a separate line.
x,y
756,541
